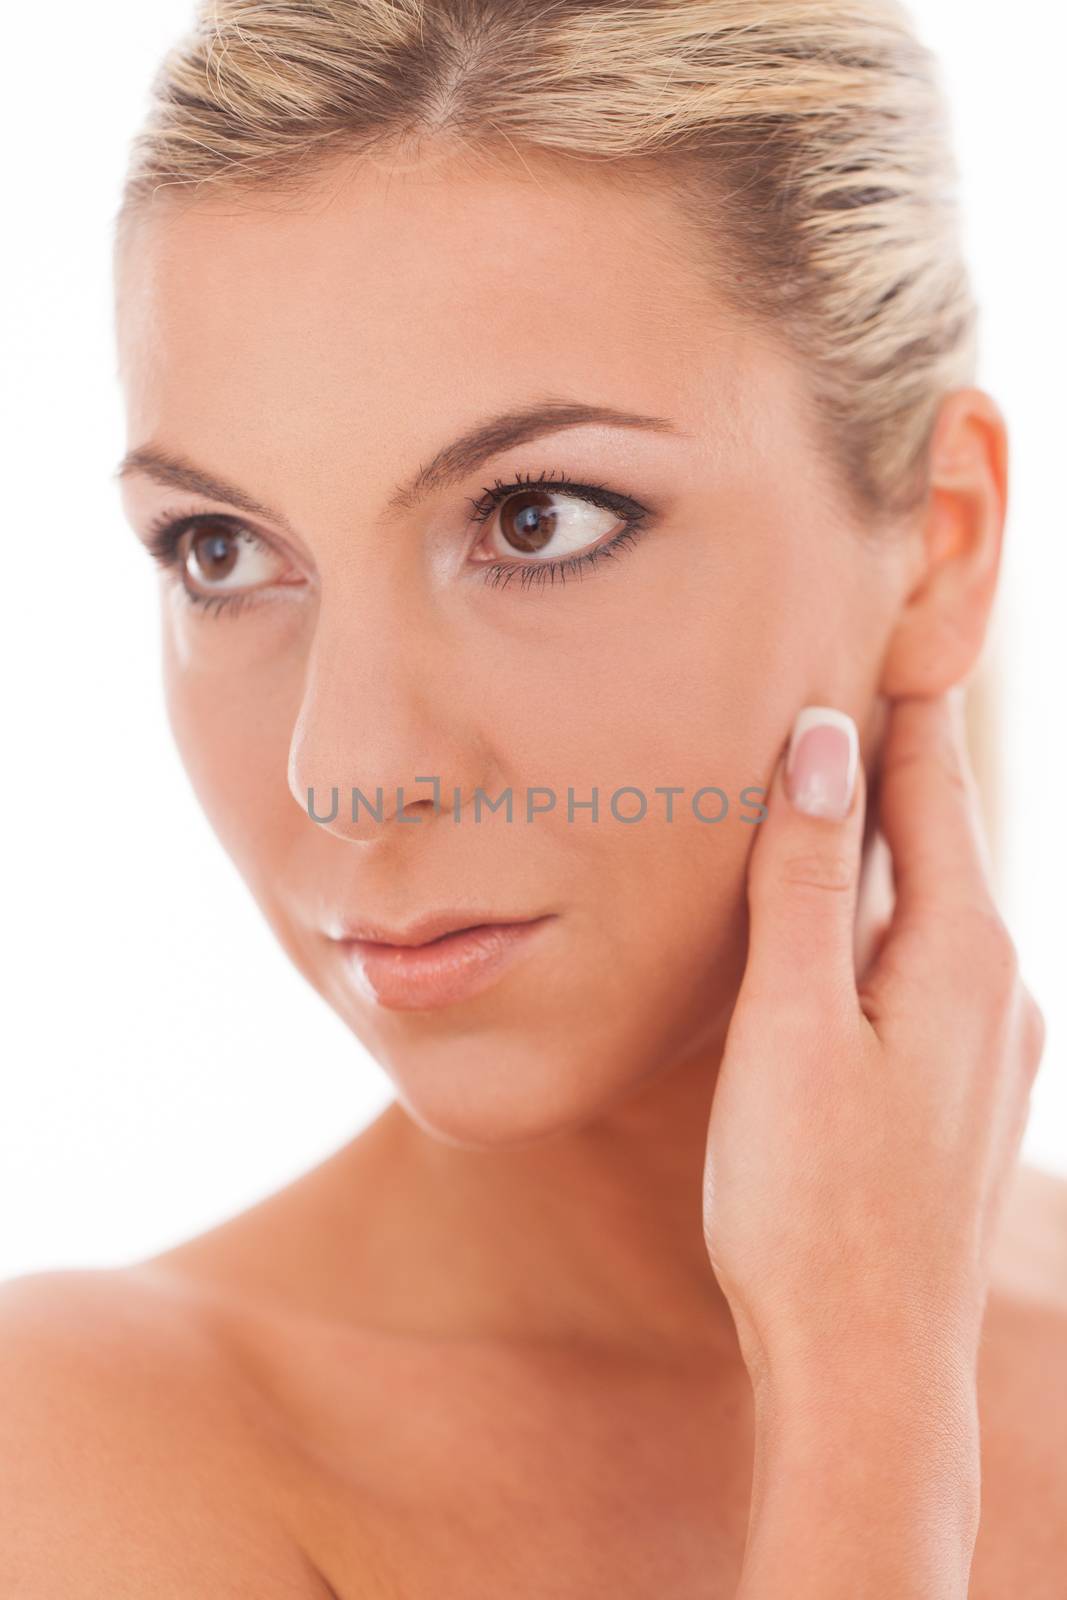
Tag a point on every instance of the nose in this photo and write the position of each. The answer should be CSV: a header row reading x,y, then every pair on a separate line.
x,y
384,736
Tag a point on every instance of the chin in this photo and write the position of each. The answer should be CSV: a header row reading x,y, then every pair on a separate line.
x,y
481,1096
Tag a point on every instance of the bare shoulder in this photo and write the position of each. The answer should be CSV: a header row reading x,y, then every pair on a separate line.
x,y
1030,1258
1024,1338
1022,1543
130,1457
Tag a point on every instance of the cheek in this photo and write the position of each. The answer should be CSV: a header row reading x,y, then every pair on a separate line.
x,y
640,704
647,959
656,904
656,907
232,723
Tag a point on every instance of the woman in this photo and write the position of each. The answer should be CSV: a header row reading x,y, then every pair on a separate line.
x,y
574,402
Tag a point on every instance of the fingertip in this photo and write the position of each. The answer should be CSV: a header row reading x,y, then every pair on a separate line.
x,y
821,764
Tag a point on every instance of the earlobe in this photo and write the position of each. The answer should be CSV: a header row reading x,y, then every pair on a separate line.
x,y
944,617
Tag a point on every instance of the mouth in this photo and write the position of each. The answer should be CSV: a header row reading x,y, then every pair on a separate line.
x,y
437,961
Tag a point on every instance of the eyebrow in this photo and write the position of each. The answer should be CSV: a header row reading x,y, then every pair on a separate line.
x,y
451,464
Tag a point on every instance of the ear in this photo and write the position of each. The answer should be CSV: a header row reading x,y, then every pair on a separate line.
x,y
942,625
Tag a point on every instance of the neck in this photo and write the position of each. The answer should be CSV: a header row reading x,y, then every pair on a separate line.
x,y
593,1236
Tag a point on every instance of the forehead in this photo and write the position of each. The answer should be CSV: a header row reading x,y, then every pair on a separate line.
x,y
388,299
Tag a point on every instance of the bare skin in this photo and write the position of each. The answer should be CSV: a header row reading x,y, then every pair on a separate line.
x,y
482,1350
908,1064
248,1415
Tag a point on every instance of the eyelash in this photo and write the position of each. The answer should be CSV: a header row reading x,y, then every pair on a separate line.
x,y
165,534
500,573
166,530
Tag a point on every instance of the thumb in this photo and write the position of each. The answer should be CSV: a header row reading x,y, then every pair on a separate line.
x,y
804,867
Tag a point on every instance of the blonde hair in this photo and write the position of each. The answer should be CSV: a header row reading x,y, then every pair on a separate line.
x,y
808,140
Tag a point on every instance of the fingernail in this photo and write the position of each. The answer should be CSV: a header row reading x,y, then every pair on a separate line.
x,y
820,769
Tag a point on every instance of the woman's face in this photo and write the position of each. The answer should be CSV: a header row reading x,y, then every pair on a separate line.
x,y
323,360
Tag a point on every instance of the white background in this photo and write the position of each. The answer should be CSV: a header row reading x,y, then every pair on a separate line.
x,y
164,1065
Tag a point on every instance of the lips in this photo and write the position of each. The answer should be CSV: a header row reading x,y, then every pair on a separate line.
x,y
430,927
437,961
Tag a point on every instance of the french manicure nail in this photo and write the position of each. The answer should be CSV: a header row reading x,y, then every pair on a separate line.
x,y
820,771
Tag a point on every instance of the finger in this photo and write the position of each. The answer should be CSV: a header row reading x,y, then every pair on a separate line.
x,y
928,808
874,909
804,868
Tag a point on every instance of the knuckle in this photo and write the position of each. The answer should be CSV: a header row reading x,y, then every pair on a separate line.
x,y
1034,1033
990,949
828,871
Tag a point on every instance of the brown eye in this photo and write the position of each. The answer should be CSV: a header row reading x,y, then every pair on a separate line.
x,y
549,523
213,552
528,520
220,557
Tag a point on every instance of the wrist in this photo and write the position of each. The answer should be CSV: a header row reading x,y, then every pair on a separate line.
x,y
920,1400
928,1424
918,1377
897,1343
876,1473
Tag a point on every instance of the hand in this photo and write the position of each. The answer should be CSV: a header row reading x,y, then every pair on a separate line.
x,y
863,1127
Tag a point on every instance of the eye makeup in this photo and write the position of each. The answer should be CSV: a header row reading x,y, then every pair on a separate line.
x,y
631,514
171,539
164,543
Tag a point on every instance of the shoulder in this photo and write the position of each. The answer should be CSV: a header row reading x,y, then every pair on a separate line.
x,y
1023,1351
1030,1254
128,1454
